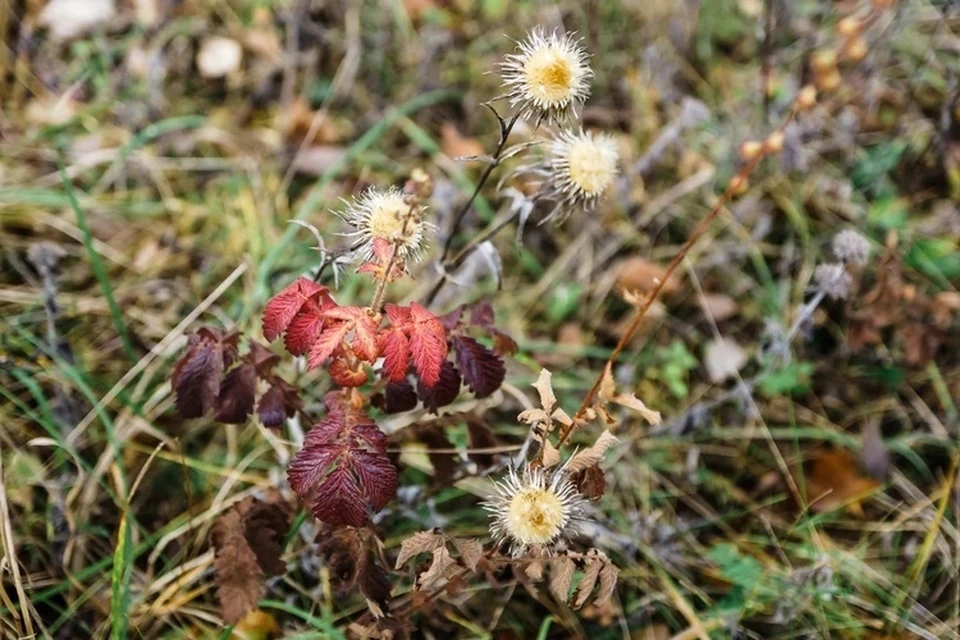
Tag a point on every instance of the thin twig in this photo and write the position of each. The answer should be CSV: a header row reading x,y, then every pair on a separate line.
x,y
736,183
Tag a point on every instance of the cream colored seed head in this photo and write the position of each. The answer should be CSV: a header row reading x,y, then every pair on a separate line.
x,y
535,516
534,508
849,26
774,142
807,98
750,149
549,77
592,164
387,215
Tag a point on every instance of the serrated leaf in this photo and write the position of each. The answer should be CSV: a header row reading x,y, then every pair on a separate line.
x,y
608,583
444,392
420,542
561,575
482,369
343,469
196,377
237,395
439,570
545,389
590,574
283,307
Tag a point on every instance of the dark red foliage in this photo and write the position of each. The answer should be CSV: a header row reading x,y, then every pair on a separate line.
x,y
444,392
482,369
343,468
237,395
399,396
197,375
200,384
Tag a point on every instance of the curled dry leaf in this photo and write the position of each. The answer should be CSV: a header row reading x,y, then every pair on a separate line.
x,y
470,550
561,575
608,394
593,455
597,566
247,542
544,387
441,569
420,542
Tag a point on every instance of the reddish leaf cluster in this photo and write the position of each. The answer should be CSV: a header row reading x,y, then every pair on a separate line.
x,y
313,324
343,469
247,541
477,365
203,380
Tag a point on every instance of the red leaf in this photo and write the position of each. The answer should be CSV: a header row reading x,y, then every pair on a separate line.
x,y
303,330
428,344
328,342
444,392
482,370
363,326
343,468
395,349
283,307
237,395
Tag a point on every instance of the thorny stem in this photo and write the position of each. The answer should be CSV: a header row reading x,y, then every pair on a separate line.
x,y
698,231
505,128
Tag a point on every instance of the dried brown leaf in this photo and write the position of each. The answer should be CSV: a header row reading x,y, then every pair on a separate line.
x,y
534,570
470,550
590,574
608,582
544,388
561,575
592,455
630,401
421,542
439,571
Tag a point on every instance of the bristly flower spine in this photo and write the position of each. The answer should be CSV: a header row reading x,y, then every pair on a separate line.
x,y
549,76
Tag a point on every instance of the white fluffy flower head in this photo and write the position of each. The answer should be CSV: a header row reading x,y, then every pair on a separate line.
x,y
386,214
534,508
579,168
549,76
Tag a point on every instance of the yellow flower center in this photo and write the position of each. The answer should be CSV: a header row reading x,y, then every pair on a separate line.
x,y
592,165
535,516
552,74
386,221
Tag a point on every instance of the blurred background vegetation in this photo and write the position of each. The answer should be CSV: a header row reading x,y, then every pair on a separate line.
x,y
154,152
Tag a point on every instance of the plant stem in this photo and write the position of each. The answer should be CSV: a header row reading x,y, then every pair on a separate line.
x,y
505,128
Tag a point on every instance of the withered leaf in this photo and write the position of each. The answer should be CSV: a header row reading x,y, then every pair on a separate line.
x,y
561,575
591,571
481,437
470,550
608,583
593,455
420,542
247,541
374,585
439,571
590,482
